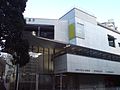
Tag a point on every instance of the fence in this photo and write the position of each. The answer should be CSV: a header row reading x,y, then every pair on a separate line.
x,y
94,88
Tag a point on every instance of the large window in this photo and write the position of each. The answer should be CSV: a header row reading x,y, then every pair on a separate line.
x,y
119,44
111,41
45,31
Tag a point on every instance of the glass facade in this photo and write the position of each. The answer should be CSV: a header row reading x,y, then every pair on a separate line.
x,y
39,71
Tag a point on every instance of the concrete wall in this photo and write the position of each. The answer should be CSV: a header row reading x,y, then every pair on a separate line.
x,y
82,64
60,64
85,82
92,35
85,16
69,15
96,37
80,14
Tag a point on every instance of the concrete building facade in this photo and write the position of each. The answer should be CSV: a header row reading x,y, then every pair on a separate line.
x,y
75,53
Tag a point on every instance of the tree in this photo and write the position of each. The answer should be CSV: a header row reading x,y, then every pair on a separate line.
x,y
11,28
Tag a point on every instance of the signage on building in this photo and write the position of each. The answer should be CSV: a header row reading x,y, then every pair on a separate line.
x,y
71,31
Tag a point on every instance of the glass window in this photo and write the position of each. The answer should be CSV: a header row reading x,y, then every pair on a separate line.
x,y
80,30
47,32
119,44
111,41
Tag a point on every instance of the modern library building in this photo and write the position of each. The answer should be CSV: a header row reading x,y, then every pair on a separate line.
x,y
74,52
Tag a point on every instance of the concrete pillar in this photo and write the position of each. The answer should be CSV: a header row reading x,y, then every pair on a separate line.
x,y
37,81
61,81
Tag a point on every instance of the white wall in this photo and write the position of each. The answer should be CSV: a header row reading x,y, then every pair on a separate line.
x,y
82,64
85,16
96,38
61,31
69,15
80,14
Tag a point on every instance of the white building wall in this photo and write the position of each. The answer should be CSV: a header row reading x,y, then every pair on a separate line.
x,y
96,37
82,64
85,16
61,31
68,16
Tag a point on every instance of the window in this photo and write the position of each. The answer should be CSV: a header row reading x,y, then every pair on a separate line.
x,y
82,51
29,20
80,30
111,41
119,44
47,32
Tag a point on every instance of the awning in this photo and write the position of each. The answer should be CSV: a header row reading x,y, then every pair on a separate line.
x,y
43,42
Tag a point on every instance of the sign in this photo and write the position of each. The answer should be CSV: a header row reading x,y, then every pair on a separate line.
x,y
71,31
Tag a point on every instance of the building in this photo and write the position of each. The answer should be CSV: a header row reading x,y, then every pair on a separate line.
x,y
7,70
75,53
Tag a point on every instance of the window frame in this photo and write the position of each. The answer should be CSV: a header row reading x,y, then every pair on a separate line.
x,y
80,31
111,41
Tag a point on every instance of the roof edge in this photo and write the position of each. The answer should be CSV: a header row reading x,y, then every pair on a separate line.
x,y
99,24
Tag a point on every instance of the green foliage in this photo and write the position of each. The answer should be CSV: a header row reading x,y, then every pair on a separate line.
x,y
11,27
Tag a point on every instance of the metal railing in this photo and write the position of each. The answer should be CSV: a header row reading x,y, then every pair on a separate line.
x,y
92,88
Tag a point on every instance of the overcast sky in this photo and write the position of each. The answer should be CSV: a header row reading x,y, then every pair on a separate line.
x,y
54,9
